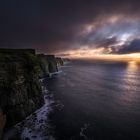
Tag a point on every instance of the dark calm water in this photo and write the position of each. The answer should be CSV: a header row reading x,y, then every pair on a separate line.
x,y
96,101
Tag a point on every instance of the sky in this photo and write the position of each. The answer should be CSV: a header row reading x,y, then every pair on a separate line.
x,y
71,27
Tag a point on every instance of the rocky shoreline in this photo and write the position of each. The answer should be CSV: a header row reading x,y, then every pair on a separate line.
x,y
21,89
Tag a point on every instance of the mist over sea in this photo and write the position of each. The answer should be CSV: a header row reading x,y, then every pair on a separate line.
x,y
96,101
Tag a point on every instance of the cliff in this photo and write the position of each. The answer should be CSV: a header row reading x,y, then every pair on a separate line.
x,y
50,63
20,89
60,61
43,65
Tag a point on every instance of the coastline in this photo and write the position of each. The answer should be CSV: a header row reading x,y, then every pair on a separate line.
x,y
33,101
35,124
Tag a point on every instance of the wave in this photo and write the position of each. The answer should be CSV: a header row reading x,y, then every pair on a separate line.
x,y
36,126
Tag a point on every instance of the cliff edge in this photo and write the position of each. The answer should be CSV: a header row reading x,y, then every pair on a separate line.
x,y
20,87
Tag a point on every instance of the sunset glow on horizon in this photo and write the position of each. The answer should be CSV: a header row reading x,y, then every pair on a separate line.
x,y
99,55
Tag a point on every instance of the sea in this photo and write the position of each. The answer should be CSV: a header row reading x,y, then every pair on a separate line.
x,y
96,100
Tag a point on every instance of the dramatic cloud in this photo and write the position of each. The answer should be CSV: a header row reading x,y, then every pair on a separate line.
x,y
59,26
132,47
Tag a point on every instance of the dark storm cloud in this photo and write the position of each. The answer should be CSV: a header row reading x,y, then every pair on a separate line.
x,y
132,47
56,25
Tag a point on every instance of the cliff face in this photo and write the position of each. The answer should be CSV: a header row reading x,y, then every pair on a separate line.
x,y
20,89
59,61
52,63
49,63
43,65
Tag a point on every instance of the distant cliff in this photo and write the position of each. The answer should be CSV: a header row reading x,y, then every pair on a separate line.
x,y
50,63
20,88
60,61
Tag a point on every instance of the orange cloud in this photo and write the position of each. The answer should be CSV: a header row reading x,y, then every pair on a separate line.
x,y
100,55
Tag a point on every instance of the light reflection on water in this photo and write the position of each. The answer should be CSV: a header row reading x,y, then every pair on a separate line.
x,y
104,95
129,84
132,66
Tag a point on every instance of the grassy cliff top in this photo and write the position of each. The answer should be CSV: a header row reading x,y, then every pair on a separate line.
x,y
19,60
8,55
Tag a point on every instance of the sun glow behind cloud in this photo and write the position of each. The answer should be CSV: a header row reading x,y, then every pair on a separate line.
x,y
99,54
110,43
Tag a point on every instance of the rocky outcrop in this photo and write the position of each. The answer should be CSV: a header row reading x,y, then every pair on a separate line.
x,y
2,122
59,61
20,89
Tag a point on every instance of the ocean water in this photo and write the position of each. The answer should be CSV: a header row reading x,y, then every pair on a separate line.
x,y
96,101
